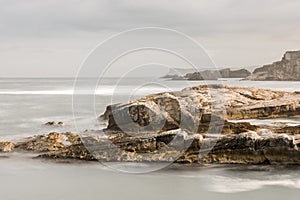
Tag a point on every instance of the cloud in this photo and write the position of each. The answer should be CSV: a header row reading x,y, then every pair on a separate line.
x,y
47,17
249,27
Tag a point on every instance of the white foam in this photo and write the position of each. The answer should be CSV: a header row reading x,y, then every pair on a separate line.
x,y
100,91
233,185
38,92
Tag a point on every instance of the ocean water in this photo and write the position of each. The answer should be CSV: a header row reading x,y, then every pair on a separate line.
x,y
26,104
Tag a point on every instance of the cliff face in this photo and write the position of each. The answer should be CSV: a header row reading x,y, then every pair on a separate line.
x,y
288,69
215,74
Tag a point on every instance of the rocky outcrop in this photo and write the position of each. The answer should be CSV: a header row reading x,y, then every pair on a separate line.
x,y
178,72
250,148
216,74
6,147
51,142
288,69
178,146
188,126
193,108
241,73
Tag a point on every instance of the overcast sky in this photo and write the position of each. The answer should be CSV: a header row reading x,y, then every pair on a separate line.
x,y
52,37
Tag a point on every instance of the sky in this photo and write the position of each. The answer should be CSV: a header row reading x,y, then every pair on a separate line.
x,y
52,38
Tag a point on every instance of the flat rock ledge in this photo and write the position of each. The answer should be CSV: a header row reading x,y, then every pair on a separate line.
x,y
190,130
171,146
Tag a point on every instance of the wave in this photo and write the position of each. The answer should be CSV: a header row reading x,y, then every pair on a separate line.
x,y
234,185
100,91
60,92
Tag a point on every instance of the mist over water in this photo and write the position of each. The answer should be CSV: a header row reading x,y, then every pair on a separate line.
x,y
26,104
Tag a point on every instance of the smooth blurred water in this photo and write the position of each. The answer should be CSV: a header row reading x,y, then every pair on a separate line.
x,y
26,104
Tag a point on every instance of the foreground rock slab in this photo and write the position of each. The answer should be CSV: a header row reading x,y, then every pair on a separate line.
x,y
250,147
171,146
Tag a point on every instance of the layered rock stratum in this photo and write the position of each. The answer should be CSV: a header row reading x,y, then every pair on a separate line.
x,y
288,69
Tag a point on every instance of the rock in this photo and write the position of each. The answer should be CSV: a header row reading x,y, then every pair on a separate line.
x,y
53,123
192,108
288,69
50,142
6,147
154,114
178,72
74,152
188,126
241,73
50,123
216,74
290,130
177,145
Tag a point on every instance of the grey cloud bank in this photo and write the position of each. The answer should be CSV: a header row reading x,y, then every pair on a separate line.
x,y
51,37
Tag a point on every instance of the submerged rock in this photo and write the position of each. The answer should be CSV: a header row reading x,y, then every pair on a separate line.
x,y
53,123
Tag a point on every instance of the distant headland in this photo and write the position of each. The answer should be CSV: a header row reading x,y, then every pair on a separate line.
x,y
288,69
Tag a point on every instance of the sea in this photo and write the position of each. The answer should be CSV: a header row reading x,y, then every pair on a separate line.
x,y
28,103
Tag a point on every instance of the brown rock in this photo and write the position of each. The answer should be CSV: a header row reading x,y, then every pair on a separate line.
x,y
6,147
291,130
50,142
177,145
193,107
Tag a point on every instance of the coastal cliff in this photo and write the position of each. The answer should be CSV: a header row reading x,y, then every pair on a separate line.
x,y
288,69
